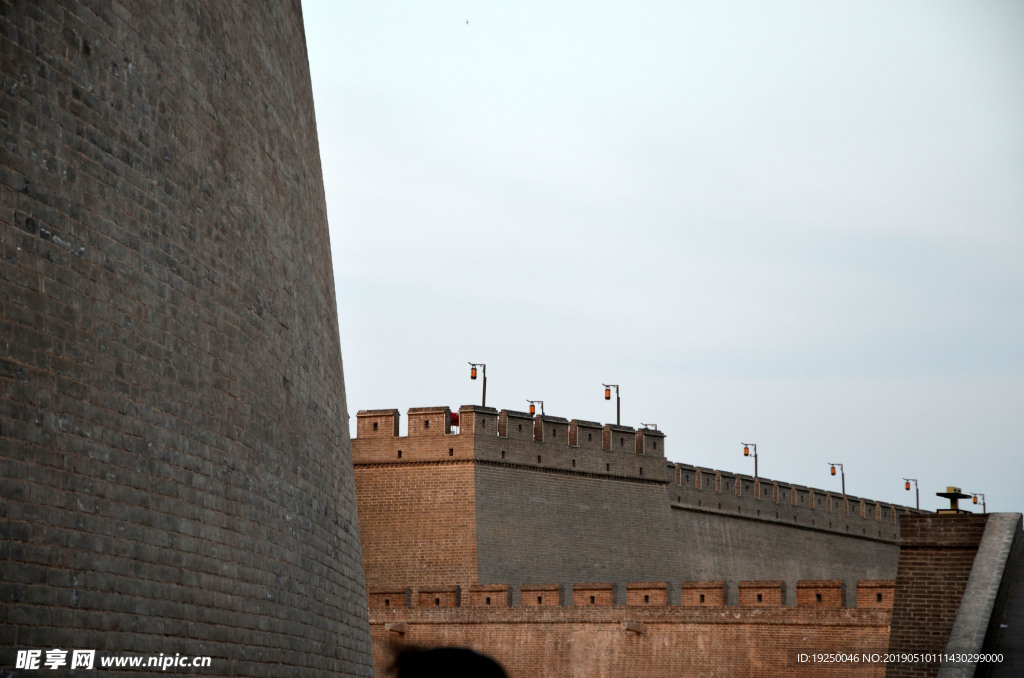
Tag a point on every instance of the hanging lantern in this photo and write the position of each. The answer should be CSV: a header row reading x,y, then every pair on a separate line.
x,y
472,372
907,485
833,470
746,451
607,394
975,500
533,409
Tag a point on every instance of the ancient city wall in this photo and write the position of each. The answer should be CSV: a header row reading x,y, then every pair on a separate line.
x,y
542,525
174,455
565,501
935,563
419,524
573,636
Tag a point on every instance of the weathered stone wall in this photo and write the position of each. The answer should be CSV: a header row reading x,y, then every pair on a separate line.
x,y
175,469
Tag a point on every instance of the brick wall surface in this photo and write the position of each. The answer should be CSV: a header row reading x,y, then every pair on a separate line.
x,y
733,547
761,593
646,594
875,593
495,595
593,594
417,523
174,454
707,593
550,511
536,525
819,593
626,642
936,556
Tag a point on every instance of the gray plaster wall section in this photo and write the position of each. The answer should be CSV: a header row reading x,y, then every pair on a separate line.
x,y
174,453
716,547
990,576
545,526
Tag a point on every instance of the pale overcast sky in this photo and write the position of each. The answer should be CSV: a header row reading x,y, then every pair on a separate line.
x,y
794,224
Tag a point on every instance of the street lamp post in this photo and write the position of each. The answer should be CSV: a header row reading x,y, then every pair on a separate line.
x,y
747,453
618,401
976,495
917,490
842,474
472,375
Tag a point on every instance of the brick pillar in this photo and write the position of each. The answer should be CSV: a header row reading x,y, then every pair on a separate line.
x,y
936,556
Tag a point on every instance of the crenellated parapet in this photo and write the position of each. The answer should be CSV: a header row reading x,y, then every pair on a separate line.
x,y
510,437
512,425
812,594
743,496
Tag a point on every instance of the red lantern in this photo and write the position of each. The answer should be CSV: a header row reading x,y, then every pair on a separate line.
x,y
833,470
907,485
607,394
746,451
472,373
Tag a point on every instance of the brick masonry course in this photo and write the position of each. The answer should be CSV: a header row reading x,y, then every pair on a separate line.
x,y
936,559
175,455
517,499
621,642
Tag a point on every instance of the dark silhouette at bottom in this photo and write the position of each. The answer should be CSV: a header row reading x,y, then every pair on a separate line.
x,y
445,662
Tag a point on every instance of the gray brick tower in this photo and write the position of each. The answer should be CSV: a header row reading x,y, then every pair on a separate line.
x,y
175,466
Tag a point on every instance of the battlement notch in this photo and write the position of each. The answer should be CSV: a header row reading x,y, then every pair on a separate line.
x,y
650,442
616,438
585,435
377,423
873,594
429,421
478,420
548,429
515,425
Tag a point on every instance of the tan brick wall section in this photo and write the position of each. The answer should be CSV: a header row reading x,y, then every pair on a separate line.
x,y
417,524
588,642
